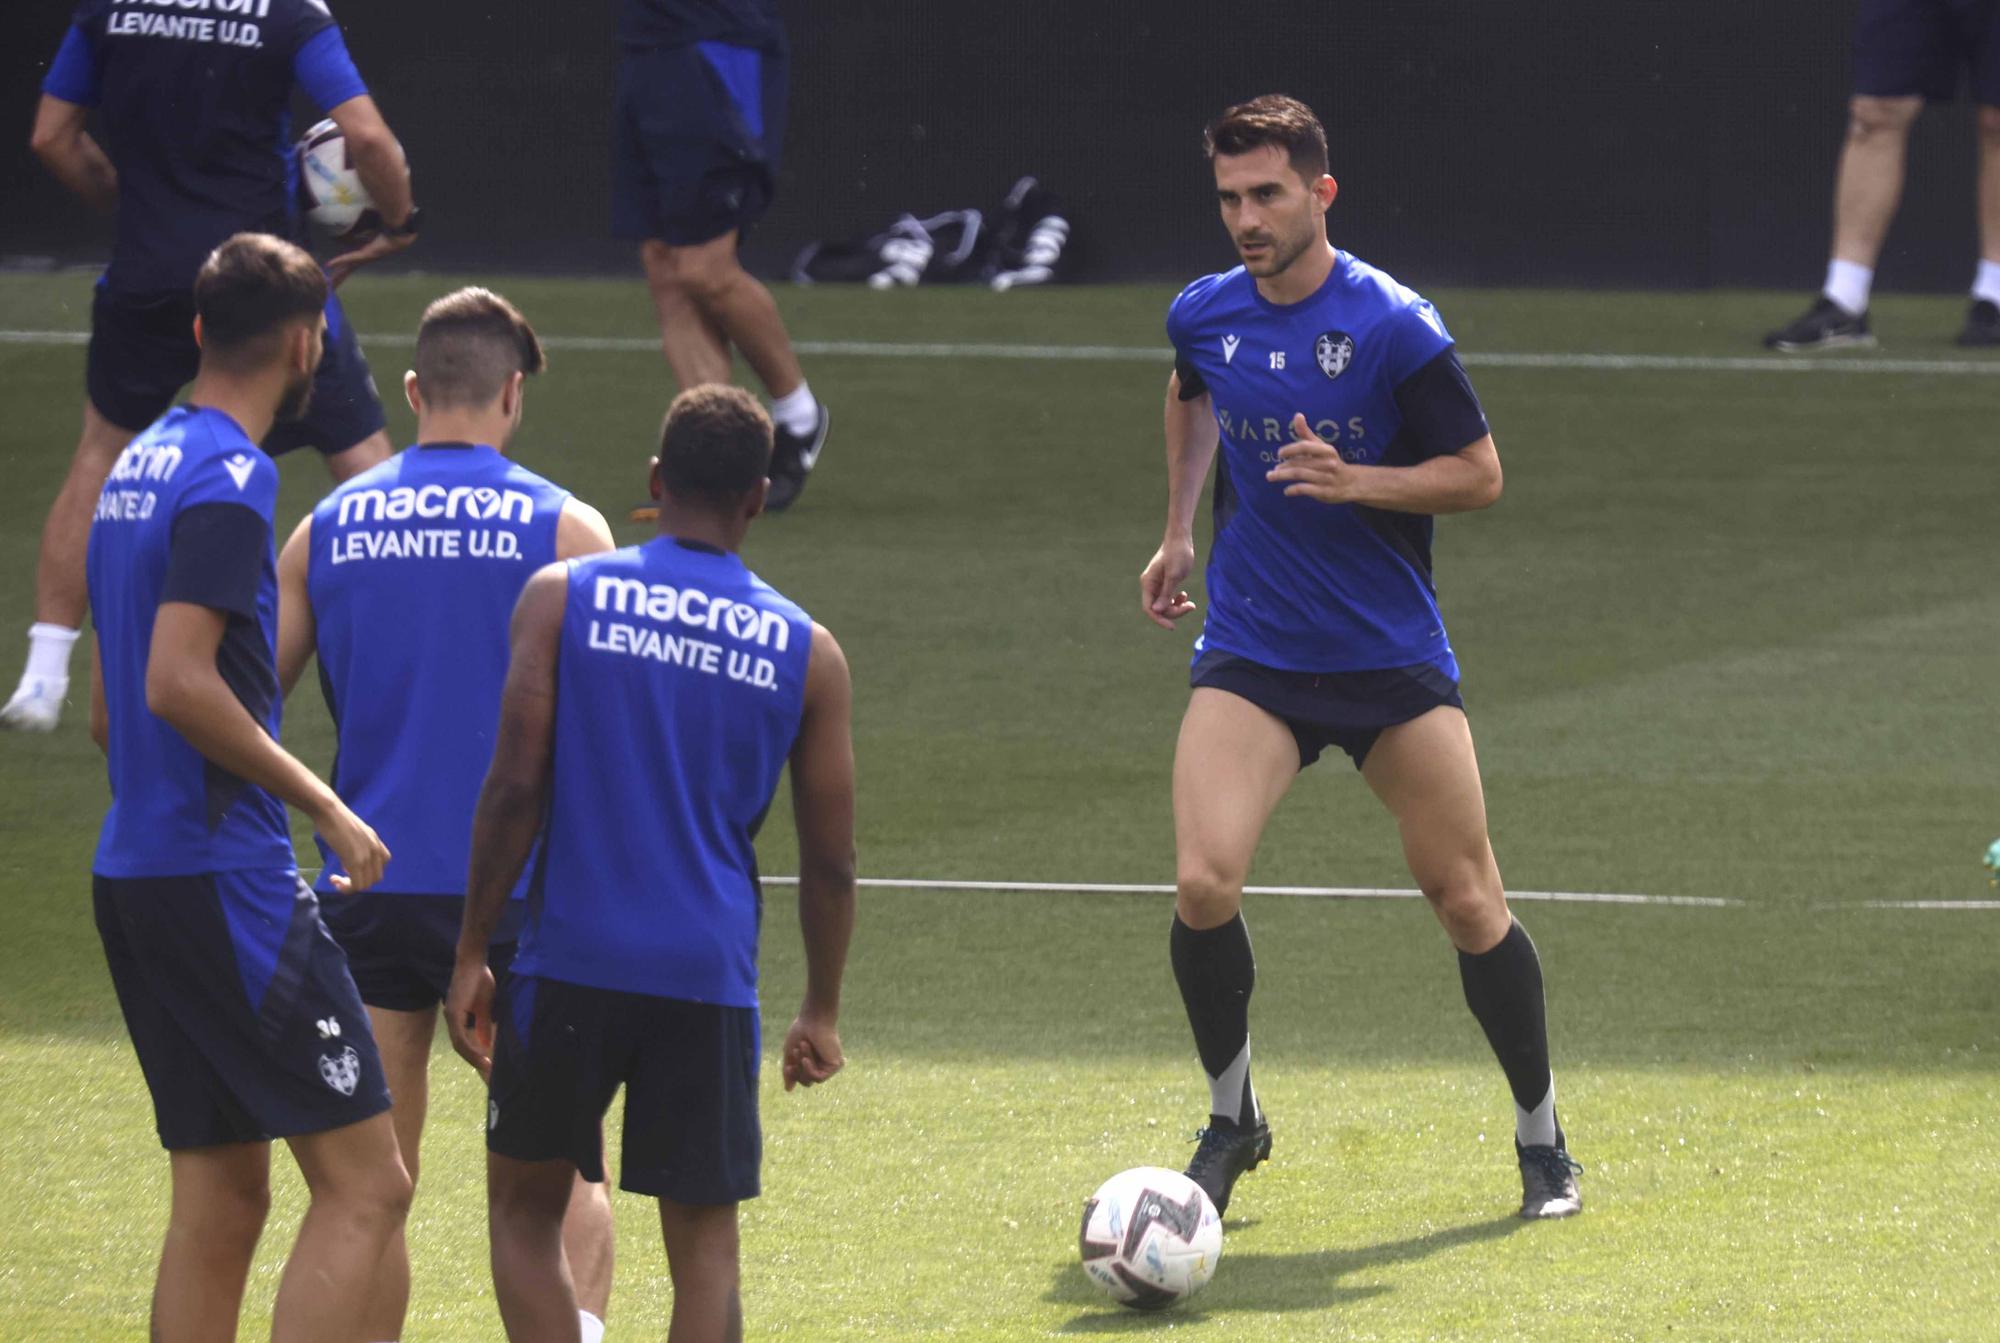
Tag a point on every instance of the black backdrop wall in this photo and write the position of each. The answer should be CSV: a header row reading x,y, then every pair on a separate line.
x,y
1645,143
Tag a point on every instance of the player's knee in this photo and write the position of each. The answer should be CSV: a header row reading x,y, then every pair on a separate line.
x,y
1873,118
228,1211
706,274
1207,895
1467,899
524,1206
1989,127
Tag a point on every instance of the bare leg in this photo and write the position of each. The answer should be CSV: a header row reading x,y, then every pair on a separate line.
x,y
695,347
736,304
589,1238
404,1039
61,596
702,1260
1989,184
1425,772
220,1198
351,462
1232,766
525,1202
1870,183
360,1195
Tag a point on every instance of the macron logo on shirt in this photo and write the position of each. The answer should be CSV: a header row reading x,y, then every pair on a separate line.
x,y
239,468
1229,344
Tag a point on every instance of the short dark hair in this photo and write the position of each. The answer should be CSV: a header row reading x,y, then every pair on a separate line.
x,y
1273,119
715,445
248,290
469,344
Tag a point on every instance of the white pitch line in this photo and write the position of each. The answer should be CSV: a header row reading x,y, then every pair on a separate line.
x,y
1315,892
1931,904
1160,355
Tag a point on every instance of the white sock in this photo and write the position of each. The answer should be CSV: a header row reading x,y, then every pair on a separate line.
x,y
1986,284
593,1328
48,651
797,412
1537,1127
1847,284
1225,1093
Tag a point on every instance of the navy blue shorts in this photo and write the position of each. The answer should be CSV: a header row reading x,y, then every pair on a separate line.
x,y
695,141
690,1076
142,352
1345,709
1928,47
239,1006
401,948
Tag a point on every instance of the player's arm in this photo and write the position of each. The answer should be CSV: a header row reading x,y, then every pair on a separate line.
x,y
215,564
378,160
511,801
67,150
823,808
298,633
581,530
100,713
186,691
1456,467
1192,438
1452,482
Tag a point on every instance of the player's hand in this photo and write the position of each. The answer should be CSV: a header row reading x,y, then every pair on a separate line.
x,y
468,1012
812,1050
360,850
377,247
1312,467
1161,597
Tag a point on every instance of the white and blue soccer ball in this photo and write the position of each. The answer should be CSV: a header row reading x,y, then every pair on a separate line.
x,y
329,188
1150,1238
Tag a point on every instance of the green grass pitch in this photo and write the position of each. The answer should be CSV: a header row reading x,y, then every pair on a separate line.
x,y
1730,634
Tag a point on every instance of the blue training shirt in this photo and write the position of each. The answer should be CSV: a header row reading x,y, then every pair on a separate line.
x,y
679,688
193,101
1294,583
186,517
413,571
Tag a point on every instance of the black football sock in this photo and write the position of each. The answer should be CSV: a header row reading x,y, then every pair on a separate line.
x,y
1503,987
1216,972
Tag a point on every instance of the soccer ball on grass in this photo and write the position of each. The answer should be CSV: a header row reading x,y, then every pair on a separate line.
x,y
1150,1238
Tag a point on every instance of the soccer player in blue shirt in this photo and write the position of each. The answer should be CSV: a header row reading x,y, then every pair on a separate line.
x,y
239,1005
699,122
193,103
403,581
654,697
1344,421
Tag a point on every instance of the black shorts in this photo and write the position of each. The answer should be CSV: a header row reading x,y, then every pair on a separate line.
x,y
1345,709
695,141
690,1076
239,1006
142,352
401,948
1928,47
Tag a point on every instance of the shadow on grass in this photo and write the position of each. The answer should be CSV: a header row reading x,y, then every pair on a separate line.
x,y
1269,1282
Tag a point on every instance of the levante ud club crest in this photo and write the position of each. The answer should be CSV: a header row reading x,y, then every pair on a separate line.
x,y
1335,351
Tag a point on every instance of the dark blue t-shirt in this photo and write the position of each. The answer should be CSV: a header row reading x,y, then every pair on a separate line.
x,y
186,517
1294,583
413,573
643,24
679,689
192,99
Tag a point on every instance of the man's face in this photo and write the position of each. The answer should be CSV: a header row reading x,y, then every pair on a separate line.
x,y
1272,213
299,386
